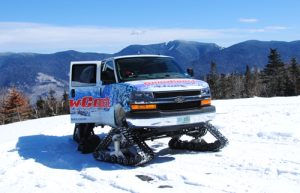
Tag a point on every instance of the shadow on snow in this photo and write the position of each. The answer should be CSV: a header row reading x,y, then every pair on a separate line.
x,y
60,152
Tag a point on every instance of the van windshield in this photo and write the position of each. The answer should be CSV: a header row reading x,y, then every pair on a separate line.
x,y
142,68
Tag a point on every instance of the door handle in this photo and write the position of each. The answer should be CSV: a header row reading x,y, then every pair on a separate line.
x,y
73,93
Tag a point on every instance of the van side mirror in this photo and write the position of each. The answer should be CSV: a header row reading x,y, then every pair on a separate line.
x,y
190,71
108,77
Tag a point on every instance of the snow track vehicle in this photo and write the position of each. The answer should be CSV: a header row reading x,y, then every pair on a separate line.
x,y
141,97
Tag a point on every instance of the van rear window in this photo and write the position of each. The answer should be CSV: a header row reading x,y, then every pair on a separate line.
x,y
83,74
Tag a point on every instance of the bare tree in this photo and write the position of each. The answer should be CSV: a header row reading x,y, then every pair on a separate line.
x,y
16,106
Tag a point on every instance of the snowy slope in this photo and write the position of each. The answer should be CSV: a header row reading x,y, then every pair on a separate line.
x,y
263,156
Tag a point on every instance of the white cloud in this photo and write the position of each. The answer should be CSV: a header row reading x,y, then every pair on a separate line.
x,y
42,38
248,20
268,29
275,28
256,30
45,38
138,32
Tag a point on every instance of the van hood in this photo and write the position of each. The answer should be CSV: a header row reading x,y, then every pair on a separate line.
x,y
167,84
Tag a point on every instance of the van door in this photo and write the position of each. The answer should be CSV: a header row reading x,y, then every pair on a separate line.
x,y
84,97
108,86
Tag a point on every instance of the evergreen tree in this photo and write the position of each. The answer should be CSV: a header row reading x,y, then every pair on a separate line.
x,y
257,85
223,87
288,84
294,71
248,82
41,107
252,82
213,80
274,75
238,86
51,104
64,108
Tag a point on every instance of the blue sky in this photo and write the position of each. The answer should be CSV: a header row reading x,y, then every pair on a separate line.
x,y
110,25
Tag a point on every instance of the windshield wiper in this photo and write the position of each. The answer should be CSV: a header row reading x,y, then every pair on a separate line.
x,y
170,76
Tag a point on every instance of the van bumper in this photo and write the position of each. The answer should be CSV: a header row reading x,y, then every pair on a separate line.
x,y
159,119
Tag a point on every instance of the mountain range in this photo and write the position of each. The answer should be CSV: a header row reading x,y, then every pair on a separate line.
x,y
36,73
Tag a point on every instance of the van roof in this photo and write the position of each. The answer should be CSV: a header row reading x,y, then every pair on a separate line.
x,y
120,57
140,55
86,62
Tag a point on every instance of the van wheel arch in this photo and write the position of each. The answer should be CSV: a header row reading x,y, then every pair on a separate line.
x,y
119,115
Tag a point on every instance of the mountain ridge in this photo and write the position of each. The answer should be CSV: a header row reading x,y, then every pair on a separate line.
x,y
23,70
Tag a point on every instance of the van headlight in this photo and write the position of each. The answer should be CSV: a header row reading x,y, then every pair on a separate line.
x,y
141,95
205,91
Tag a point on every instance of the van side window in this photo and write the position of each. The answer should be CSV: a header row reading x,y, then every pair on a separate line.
x,y
83,74
108,76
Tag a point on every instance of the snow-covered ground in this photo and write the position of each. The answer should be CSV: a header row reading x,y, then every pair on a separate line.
x,y
263,156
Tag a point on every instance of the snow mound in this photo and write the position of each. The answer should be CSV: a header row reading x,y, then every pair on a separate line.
x,y
263,156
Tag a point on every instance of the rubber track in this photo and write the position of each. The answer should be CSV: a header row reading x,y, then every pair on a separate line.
x,y
221,141
144,153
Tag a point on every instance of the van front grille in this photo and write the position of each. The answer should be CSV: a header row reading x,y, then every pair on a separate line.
x,y
179,106
176,94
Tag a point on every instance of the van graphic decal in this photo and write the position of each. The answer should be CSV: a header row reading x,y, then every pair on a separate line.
x,y
89,101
